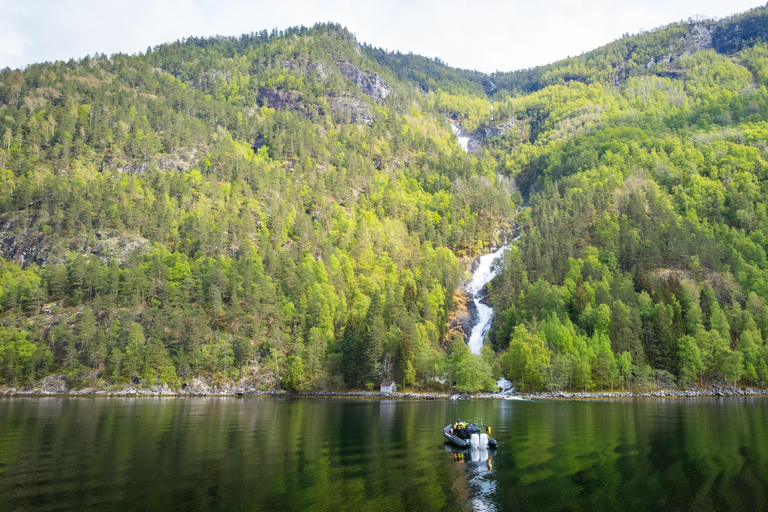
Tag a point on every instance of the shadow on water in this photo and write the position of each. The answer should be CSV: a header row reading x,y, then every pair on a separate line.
x,y
282,454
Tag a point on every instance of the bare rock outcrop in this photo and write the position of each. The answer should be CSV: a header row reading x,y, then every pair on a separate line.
x,y
351,108
55,384
463,317
368,82
31,245
731,37
280,99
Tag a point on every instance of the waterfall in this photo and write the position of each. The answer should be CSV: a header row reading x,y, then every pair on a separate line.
x,y
463,139
486,270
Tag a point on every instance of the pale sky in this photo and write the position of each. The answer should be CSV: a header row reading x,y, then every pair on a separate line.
x,y
486,35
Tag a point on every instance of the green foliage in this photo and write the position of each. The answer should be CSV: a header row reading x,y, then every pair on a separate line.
x,y
527,359
172,217
642,258
220,206
21,360
471,373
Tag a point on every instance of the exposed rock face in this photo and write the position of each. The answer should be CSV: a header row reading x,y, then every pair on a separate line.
x,y
732,37
725,38
30,245
132,167
280,99
370,83
117,246
356,110
701,36
464,316
317,68
698,38
23,247
55,384
494,130
346,107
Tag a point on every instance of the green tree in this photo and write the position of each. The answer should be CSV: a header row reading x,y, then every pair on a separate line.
x,y
691,365
733,367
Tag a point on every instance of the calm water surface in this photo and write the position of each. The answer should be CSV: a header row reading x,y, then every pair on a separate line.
x,y
282,454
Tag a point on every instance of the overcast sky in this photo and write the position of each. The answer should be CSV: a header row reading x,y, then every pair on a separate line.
x,y
486,35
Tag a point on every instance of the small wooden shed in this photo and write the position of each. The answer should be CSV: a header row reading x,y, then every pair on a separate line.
x,y
388,386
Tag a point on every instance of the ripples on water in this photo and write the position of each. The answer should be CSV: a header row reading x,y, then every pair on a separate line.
x,y
282,454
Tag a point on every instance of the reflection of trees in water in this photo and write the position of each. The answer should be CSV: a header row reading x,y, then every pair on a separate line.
x,y
641,455
227,454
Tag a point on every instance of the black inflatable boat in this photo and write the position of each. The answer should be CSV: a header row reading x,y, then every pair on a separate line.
x,y
471,435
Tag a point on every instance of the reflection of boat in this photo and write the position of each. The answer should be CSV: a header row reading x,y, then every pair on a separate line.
x,y
477,459
471,436
479,464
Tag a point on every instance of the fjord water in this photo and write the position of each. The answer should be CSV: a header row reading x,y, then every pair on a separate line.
x,y
330,454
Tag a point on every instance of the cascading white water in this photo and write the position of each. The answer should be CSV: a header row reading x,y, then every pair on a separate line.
x,y
486,270
505,386
463,139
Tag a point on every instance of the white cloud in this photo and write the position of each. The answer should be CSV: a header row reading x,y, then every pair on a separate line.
x,y
480,34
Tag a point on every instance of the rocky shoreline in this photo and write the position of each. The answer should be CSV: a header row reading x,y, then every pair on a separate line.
x,y
710,392
54,385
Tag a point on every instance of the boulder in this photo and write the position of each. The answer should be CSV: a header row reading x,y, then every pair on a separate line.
x,y
195,387
54,384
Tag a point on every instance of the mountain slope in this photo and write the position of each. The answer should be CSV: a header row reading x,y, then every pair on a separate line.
x,y
643,253
219,207
291,210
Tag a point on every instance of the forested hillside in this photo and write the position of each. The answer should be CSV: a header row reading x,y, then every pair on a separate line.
x,y
291,209
643,258
276,206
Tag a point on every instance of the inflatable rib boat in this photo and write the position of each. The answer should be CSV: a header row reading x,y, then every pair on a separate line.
x,y
470,436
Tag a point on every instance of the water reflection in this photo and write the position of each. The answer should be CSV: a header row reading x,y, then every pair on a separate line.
x,y
478,463
273,454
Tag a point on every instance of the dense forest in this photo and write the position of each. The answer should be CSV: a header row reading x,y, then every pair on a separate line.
x,y
291,209
643,259
276,207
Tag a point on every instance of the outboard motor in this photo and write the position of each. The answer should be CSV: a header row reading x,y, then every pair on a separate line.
x,y
474,440
483,440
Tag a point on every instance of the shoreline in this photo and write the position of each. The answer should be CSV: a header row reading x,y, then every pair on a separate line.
x,y
132,392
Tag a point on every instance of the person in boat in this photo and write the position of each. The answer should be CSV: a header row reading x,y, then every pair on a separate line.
x,y
459,427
